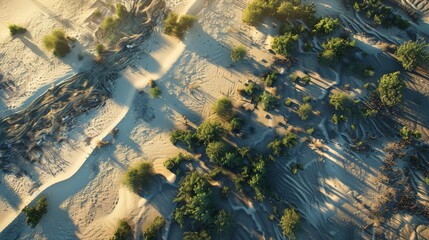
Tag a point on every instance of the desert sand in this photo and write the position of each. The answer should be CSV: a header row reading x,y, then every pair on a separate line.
x,y
334,193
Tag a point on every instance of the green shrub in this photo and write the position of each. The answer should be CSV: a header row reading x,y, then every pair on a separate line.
x,y
238,53
185,136
276,146
57,42
340,101
268,101
153,230
251,88
254,12
326,26
236,124
15,29
368,72
178,26
390,89
306,79
304,111
335,48
335,119
306,99
123,232
310,131
270,78
97,13
411,54
155,92
222,222
289,221
294,78
284,44
209,131
223,108
288,102
139,176
408,134
216,151
35,213
203,235
173,162
99,49
109,24
120,10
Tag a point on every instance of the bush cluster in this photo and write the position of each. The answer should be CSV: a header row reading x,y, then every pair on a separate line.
x,y
123,232
278,146
35,213
380,14
152,231
335,48
15,29
412,53
57,42
289,221
238,53
139,176
390,89
178,26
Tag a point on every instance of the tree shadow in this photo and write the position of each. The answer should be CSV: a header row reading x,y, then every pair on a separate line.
x,y
36,50
65,22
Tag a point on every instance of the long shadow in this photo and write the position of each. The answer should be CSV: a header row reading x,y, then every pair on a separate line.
x,y
36,50
64,22
8,194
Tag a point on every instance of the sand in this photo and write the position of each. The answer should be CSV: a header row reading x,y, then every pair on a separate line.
x,y
86,197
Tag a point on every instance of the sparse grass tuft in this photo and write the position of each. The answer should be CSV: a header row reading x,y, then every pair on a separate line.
x,y
238,53
16,29
139,176
178,26
57,42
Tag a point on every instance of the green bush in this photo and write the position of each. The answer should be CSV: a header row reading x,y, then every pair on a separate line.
x,y
97,13
99,49
195,194
139,176
270,78
411,54
238,53
251,88
185,136
340,101
236,124
306,79
178,26
288,102
268,101
15,29
326,26
153,230
304,111
306,99
173,162
155,92
57,42
254,12
209,131
368,72
390,89
310,131
278,146
216,151
203,235
290,140
335,119
123,232
120,10
408,134
284,44
335,48
35,213
289,221
294,78
109,24
223,108
222,222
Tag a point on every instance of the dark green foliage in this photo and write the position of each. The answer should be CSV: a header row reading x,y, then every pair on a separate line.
x,y
109,24
223,108
99,49
368,72
57,42
326,26
278,146
270,78
15,29
195,195
289,221
123,232
268,101
296,167
335,48
411,54
238,53
178,26
306,79
340,101
35,213
139,176
251,88
294,78
155,92
216,151
408,134
152,232
222,222
290,140
284,44
174,162
203,235
185,136
390,89
257,176
288,102
236,124
209,131
335,119
306,99
380,14
304,111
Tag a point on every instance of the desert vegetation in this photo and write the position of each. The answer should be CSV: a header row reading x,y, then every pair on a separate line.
x,y
177,26
413,53
238,53
57,42
152,232
16,29
138,177
123,232
35,213
289,221
390,89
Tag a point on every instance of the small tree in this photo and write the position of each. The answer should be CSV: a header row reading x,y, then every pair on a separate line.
x,y
35,213
120,10
153,230
209,131
178,26
304,111
334,48
340,101
326,26
223,108
57,42
238,53
411,54
216,151
123,232
390,89
289,221
99,48
16,29
268,101
138,177
222,221
284,44
203,235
